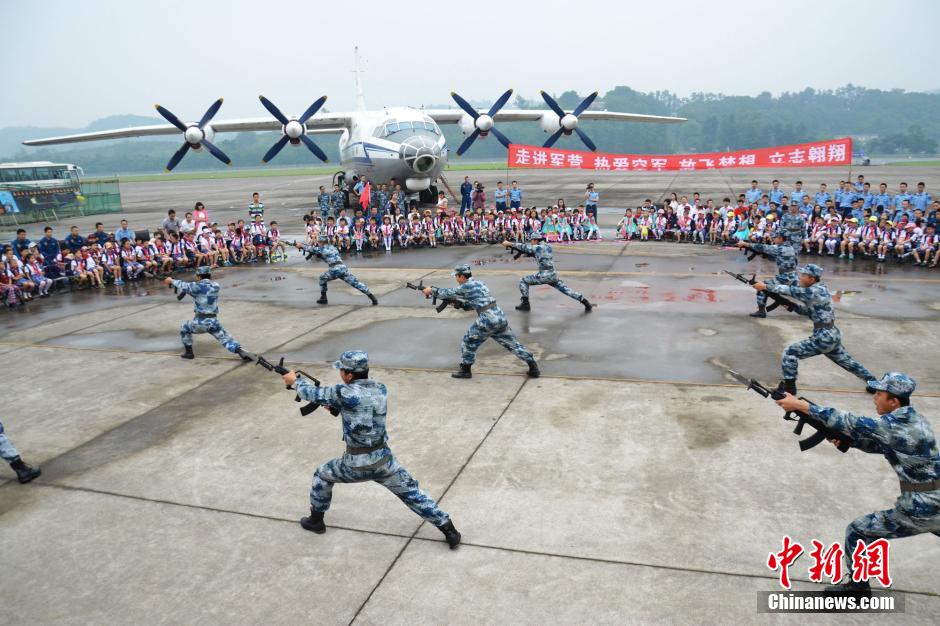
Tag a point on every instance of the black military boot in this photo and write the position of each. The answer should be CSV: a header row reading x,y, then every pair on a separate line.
x,y
187,353
787,385
849,589
463,372
587,305
244,355
760,312
25,473
322,299
524,305
314,523
373,298
533,370
450,534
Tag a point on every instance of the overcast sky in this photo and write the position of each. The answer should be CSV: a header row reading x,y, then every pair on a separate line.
x,y
66,63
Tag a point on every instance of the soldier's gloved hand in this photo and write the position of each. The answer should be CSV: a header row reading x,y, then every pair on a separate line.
x,y
289,378
167,281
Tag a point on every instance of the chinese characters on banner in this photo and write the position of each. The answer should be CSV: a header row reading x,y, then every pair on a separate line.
x,y
820,153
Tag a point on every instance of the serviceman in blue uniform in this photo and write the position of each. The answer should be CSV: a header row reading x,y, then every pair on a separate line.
x,y
815,303
881,199
515,196
205,295
324,200
784,255
362,404
846,200
898,199
337,269
793,224
24,473
921,199
337,200
753,194
490,323
500,197
907,441
798,192
466,190
822,196
866,196
542,252
775,194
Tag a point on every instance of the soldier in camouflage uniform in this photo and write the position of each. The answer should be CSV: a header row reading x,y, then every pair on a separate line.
x,y
907,441
794,225
330,255
205,294
337,200
380,197
815,303
784,255
490,323
323,200
362,403
24,473
546,275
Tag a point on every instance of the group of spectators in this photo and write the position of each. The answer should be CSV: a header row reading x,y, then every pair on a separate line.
x,y
903,226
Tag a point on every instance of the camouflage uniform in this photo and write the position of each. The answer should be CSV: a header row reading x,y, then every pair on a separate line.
x,y
546,275
793,226
784,256
490,323
363,406
337,201
907,441
8,452
205,294
323,200
380,199
337,270
816,303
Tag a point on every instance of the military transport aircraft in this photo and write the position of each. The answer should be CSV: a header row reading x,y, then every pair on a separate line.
x,y
403,143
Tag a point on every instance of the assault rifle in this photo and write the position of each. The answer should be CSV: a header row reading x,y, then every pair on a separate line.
x,y
307,255
179,294
823,431
280,370
458,304
752,254
775,298
517,254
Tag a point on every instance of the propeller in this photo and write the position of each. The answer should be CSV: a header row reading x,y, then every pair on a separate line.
x,y
482,122
195,134
294,129
568,122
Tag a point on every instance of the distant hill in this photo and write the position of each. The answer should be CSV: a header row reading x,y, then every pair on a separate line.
x,y
11,138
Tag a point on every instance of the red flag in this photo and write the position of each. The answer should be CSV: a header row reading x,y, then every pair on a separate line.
x,y
366,196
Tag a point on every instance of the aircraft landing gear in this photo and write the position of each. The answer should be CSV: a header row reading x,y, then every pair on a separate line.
x,y
428,196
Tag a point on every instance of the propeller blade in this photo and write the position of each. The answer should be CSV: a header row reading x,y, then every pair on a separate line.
x,y
503,139
177,156
312,110
273,110
503,99
551,140
552,104
314,148
270,154
587,140
463,104
210,112
172,119
584,105
216,152
468,141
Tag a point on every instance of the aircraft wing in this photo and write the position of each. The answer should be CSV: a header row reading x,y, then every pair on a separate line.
x,y
452,116
318,125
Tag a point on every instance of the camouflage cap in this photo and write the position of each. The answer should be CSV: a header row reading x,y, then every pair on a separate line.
x,y
536,234
462,270
895,383
352,361
204,270
811,269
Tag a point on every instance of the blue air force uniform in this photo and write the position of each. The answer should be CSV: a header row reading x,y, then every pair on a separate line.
x,y
205,295
542,252
337,270
816,304
906,440
466,190
490,323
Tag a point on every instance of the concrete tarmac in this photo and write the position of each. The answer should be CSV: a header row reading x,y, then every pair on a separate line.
x,y
633,482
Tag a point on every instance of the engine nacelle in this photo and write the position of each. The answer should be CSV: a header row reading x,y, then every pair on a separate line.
x,y
465,124
549,122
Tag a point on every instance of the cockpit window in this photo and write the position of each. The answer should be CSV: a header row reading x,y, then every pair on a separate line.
x,y
404,126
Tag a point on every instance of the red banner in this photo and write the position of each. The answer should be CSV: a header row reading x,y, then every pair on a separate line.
x,y
816,154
